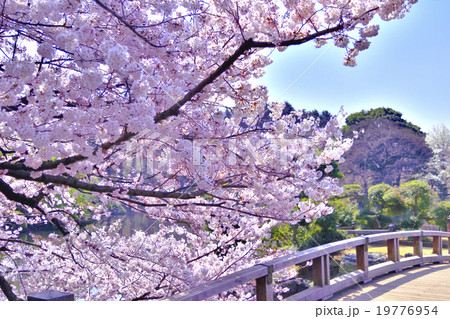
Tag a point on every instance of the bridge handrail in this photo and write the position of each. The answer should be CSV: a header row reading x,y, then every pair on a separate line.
x,y
323,286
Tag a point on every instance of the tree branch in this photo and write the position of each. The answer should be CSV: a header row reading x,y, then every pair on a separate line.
x,y
245,46
45,166
12,240
308,38
75,183
7,290
16,197
174,109
31,202
129,26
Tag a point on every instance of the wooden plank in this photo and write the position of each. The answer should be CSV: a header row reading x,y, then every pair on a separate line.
x,y
347,280
410,261
294,259
432,233
344,244
381,269
310,294
392,235
336,285
429,259
366,231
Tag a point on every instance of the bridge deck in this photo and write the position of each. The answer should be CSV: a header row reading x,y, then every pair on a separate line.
x,y
415,284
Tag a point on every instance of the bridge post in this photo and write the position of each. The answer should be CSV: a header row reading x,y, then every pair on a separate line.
x,y
448,245
448,230
418,247
264,285
393,248
437,247
362,259
321,271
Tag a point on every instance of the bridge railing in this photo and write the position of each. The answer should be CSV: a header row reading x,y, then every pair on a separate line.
x,y
324,287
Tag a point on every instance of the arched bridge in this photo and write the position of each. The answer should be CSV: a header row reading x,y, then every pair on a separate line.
x,y
325,288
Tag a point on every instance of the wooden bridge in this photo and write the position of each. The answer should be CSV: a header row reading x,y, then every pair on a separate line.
x,y
325,288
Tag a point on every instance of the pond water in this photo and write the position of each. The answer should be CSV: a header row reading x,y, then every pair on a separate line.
x,y
130,221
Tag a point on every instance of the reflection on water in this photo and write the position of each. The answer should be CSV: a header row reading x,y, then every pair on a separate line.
x,y
130,221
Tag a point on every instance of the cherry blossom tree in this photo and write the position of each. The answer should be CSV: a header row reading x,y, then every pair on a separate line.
x,y
124,100
438,170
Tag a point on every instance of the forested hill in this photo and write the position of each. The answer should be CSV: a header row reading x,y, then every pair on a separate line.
x,y
390,150
379,113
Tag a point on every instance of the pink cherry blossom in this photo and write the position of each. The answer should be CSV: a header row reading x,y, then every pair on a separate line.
x,y
112,103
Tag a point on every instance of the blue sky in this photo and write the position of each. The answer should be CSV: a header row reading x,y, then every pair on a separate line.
x,y
407,68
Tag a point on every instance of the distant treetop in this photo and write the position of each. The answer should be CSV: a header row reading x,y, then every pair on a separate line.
x,y
322,117
380,113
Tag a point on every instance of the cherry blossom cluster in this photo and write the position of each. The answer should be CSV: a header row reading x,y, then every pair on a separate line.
x,y
114,102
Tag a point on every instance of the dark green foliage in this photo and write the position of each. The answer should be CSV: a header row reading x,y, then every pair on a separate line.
x,y
335,173
314,235
322,117
320,231
440,213
288,109
369,219
352,190
280,237
324,230
414,199
376,193
387,200
411,223
394,203
380,113
418,197
345,211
